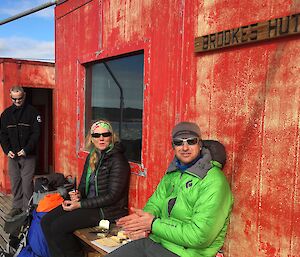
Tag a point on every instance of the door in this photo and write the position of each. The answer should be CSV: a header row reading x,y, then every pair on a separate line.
x,y
41,99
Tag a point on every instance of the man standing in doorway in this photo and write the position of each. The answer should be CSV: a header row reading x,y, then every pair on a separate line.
x,y
20,131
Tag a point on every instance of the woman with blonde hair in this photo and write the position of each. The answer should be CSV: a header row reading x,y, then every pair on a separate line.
x,y
102,193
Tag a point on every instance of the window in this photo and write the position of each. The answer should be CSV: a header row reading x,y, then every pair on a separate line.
x,y
114,91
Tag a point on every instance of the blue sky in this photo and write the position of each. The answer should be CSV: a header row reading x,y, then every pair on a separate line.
x,y
29,37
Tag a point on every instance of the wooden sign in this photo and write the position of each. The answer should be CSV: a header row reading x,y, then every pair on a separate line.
x,y
279,27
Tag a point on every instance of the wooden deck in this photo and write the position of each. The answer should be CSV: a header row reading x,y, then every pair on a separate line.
x,y
5,206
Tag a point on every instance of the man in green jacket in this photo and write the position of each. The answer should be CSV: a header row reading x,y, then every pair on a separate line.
x,y
188,213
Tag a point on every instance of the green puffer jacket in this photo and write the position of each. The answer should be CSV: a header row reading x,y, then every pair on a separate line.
x,y
192,208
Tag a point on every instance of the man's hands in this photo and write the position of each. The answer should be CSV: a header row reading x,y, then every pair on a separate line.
x,y
11,155
136,225
20,153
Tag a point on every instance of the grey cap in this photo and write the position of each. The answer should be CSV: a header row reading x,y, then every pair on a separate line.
x,y
186,129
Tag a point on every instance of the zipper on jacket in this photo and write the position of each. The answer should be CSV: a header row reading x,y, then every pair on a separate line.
x,y
96,175
96,184
181,173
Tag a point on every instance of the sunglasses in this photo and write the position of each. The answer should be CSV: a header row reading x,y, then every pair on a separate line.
x,y
189,141
105,134
17,99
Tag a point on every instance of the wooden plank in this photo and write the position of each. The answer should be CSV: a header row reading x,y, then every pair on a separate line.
x,y
5,202
2,211
5,206
86,237
4,236
2,243
274,28
1,222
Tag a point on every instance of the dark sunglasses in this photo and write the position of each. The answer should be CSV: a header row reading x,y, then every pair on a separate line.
x,y
189,141
17,99
105,134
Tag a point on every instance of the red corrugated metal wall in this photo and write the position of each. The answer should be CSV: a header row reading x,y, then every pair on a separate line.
x,y
13,72
247,97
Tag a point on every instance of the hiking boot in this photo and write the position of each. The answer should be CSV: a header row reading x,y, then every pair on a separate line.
x,y
13,212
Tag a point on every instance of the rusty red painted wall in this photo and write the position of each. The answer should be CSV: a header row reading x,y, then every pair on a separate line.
x,y
247,97
32,74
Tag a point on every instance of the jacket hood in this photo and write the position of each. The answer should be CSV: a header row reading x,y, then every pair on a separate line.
x,y
217,151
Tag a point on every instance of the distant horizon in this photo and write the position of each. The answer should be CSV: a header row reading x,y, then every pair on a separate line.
x,y
30,37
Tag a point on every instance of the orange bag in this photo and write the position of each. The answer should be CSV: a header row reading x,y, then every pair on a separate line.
x,y
49,202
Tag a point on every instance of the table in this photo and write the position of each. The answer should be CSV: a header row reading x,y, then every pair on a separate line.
x,y
86,237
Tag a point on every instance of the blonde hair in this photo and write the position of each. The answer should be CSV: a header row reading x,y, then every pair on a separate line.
x,y
89,145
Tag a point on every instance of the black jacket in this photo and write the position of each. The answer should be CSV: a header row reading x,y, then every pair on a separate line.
x,y
20,129
112,178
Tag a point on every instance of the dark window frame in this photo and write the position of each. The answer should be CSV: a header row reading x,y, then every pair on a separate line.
x,y
88,97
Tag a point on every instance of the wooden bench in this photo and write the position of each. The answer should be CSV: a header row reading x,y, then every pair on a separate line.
x,y
91,250
86,238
